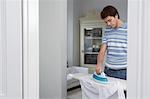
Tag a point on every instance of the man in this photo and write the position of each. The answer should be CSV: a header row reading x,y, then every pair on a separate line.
x,y
114,45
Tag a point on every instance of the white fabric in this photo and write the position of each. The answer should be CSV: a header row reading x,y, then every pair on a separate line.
x,y
94,90
74,70
71,71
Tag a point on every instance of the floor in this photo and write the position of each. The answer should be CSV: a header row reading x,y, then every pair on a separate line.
x,y
74,94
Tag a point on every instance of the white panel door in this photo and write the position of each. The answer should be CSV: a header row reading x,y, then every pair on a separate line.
x,y
10,49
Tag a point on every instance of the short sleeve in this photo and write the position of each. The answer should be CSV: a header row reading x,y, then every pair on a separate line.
x,y
104,38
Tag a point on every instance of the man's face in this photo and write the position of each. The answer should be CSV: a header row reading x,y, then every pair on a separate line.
x,y
111,21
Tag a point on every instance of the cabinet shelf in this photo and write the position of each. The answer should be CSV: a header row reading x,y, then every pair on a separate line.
x,y
91,53
88,37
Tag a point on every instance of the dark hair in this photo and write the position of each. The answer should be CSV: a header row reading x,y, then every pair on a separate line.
x,y
109,11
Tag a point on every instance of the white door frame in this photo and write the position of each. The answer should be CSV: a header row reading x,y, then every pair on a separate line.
x,y
138,49
30,49
10,49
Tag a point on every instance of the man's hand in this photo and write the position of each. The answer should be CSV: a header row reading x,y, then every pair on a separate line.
x,y
99,69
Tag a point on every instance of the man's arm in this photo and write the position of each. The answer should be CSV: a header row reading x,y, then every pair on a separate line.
x,y
100,59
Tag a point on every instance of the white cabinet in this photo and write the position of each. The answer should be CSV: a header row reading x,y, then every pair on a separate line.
x,y
91,31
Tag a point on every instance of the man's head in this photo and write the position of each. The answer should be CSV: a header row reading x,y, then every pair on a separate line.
x,y
110,15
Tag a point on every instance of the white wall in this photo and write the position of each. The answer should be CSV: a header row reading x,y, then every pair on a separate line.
x,y
70,32
53,47
73,14
98,5
78,8
76,41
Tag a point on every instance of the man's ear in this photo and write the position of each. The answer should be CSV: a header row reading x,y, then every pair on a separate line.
x,y
116,16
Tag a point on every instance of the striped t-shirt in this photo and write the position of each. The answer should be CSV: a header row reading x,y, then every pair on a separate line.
x,y
116,41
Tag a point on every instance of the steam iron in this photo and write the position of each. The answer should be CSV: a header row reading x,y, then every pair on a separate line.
x,y
101,78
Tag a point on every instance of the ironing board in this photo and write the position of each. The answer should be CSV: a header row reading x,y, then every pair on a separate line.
x,y
95,90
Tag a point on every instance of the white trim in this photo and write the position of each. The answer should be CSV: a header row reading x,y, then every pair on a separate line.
x,y
3,48
138,49
30,49
134,44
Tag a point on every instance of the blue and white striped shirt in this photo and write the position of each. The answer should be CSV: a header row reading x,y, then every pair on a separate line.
x,y
116,41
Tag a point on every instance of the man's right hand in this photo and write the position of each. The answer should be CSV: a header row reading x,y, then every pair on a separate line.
x,y
99,69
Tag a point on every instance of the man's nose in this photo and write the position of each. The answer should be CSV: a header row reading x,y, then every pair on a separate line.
x,y
108,23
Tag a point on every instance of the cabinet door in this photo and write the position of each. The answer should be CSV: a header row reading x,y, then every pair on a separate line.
x,y
10,49
92,41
